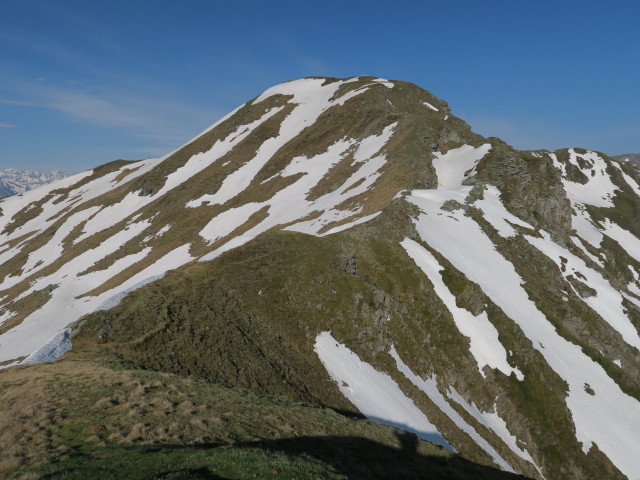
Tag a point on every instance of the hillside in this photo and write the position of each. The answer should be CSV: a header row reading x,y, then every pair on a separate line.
x,y
352,244
631,157
13,181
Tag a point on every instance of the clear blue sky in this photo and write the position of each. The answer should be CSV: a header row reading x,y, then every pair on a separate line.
x,y
83,82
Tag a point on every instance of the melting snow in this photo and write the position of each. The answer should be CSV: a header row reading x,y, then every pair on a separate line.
x,y
430,388
427,104
626,239
578,242
607,302
584,226
374,393
483,336
497,215
348,225
115,300
52,350
290,204
630,181
599,189
457,165
605,417
494,422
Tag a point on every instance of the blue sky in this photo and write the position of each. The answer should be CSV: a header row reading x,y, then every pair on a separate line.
x,y
83,83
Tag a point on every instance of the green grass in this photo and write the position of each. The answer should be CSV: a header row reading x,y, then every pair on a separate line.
x,y
165,462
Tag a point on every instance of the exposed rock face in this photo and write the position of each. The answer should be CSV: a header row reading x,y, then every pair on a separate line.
x,y
352,244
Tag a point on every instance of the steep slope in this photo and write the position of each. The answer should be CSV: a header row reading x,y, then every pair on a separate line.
x,y
14,181
630,157
360,248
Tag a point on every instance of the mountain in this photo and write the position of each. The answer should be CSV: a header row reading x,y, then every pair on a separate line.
x,y
13,181
630,157
349,244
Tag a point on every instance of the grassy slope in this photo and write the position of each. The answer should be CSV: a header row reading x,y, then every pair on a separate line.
x,y
81,419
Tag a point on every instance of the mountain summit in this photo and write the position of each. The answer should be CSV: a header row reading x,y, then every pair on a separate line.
x,y
353,244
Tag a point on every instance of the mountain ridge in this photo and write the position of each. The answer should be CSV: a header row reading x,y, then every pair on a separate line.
x,y
632,157
364,208
14,181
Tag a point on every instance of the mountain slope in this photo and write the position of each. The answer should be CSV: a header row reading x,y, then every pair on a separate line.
x,y
361,248
13,181
631,157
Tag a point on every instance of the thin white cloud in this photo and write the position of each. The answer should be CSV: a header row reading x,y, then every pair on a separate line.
x,y
20,103
7,125
138,114
98,111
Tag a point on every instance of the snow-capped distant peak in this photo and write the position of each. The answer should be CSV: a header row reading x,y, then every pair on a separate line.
x,y
14,181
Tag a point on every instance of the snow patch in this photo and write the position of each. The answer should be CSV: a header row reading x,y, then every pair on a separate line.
x,y
630,181
599,189
52,350
497,215
291,204
485,345
458,164
430,387
578,242
374,393
117,298
607,302
605,417
348,225
494,422
428,105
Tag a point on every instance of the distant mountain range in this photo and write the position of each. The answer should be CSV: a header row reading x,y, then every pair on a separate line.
x,y
14,181
632,157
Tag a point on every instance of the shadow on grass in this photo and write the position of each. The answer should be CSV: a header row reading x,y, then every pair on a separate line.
x,y
360,458
300,458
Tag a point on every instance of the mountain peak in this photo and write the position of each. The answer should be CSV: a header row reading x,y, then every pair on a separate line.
x,y
352,243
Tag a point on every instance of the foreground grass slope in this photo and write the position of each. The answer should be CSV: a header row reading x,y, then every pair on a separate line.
x,y
88,418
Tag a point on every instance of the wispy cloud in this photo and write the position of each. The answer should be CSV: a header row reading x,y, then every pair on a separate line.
x,y
7,125
98,111
20,103
141,115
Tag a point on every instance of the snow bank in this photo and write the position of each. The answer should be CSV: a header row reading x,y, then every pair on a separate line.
x,y
483,336
52,350
374,393
457,165
115,300
494,422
